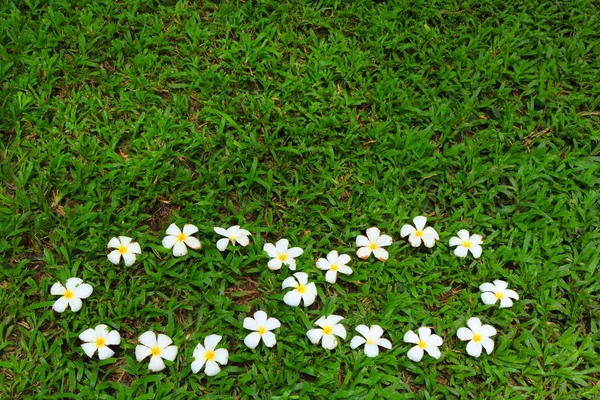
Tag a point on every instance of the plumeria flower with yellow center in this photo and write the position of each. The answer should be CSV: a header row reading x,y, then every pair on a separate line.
x,y
333,264
419,233
209,356
492,292
371,338
99,339
302,290
282,255
425,342
329,329
232,234
262,327
179,240
373,243
466,243
157,347
71,294
123,247
478,336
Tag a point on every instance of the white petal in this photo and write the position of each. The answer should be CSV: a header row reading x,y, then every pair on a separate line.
x,y
243,240
289,282
429,231
371,350
363,330
272,323
381,254
463,234
294,252
212,341
461,251
179,249
75,303
244,232
274,264
193,243
428,241
142,352
415,354
129,259
357,341
113,338
198,364
488,345
424,333
114,256
464,334
156,364
173,230
474,348
72,283
363,252
282,245
455,241
271,250
310,295
385,240
222,244
260,317
60,305
83,291
135,248
414,240
487,330
89,335
343,269
125,240
339,331
89,348
314,335
487,287
512,294
373,234
433,351
148,339
384,343
169,353
343,259
292,298
362,241
435,340
476,250
114,243
212,368
199,351
488,298
222,231
322,321
411,337
302,277
222,356
329,342
169,241
163,341
500,285
407,230
189,229
105,352
331,276
420,222
474,324
252,340
333,319
375,331
57,289
250,323
323,264
291,263
101,330
269,339
476,239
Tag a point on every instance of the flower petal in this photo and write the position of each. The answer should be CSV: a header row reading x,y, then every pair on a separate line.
x,y
289,282
193,243
414,240
500,285
487,330
292,298
169,241
173,230
385,240
384,343
357,341
339,330
113,338
125,240
291,263
310,294
461,251
57,289
269,339
148,339
101,330
169,353
211,341
282,245
212,368
105,352
89,348
114,243
411,337
487,287
435,340
252,340
323,264
512,294
343,259
329,342
488,298
72,283
476,250
243,240
198,364
75,303
314,335
114,256
156,364
83,291
362,241
415,354
407,230
274,264
381,254
474,348
455,241
163,341
371,350
89,335
344,269
331,276
463,234
375,331
433,351
221,231
488,345
424,333
476,239
260,317
60,305
363,252
142,352
222,356
420,222
189,229
272,323
129,259
222,244
179,249
363,330
464,334
294,252
474,324
135,248
373,234
429,231
428,241
270,249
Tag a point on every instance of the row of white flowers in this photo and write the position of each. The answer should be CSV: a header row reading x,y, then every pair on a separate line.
x,y
160,346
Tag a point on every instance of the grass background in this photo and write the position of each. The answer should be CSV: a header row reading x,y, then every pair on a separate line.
x,y
312,121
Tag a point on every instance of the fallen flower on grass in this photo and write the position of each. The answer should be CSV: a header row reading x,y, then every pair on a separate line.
x,y
262,325
232,235
478,336
419,233
371,338
124,247
99,339
158,347
302,290
373,243
466,243
425,342
180,240
71,295
328,331
209,356
333,264
282,255
492,292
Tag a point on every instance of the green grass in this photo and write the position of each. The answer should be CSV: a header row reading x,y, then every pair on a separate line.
x,y
311,121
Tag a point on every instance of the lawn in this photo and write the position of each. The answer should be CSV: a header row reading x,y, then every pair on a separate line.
x,y
311,121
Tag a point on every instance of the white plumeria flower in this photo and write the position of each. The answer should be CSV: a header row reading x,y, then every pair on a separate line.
x,y
425,342
262,327
371,338
466,243
329,330
99,339
208,355
479,336
232,234
124,247
282,255
373,243
333,264
71,294
492,292
302,290
179,240
159,347
419,233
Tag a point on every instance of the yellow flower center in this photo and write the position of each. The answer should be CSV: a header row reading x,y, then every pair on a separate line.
x,y
301,288
422,344
327,330
467,244
499,295
100,342
122,249
334,267
419,233
181,237
68,294
370,341
155,351
262,330
282,257
373,246
233,238
209,355
477,338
